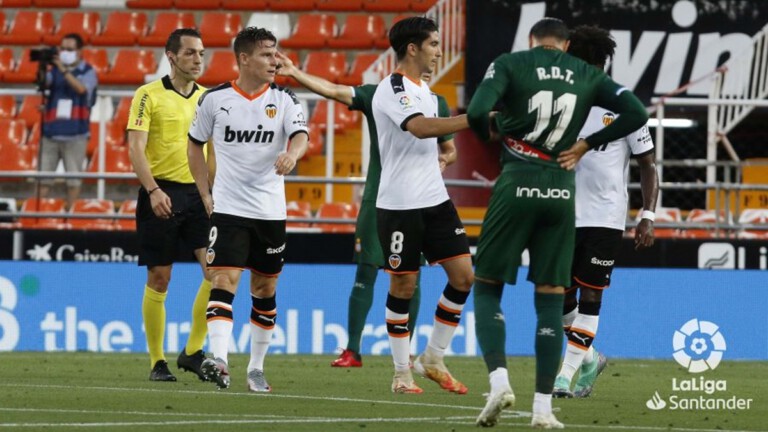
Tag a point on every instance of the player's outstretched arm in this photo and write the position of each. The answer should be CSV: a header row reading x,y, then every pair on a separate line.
x,y
314,83
297,146
480,108
649,185
422,127
160,202
199,169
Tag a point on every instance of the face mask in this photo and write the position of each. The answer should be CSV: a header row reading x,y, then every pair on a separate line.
x,y
68,57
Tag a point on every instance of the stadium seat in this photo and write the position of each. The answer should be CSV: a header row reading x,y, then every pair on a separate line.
x,y
340,5
28,28
328,65
44,205
387,5
298,209
7,107
115,136
86,24
292,5
221,68
116,161
342,116
355,75
422,6
335,211
56,3
149,4
165,23
278,23
316,143
16,3
312,31
92,206
6,61
284,81
359,32
219,28
753,217
18,158
128,207
99,59
246,5
30,109
130,66
33,137
197,4
24,72
122,29
123,111
13,132
702,216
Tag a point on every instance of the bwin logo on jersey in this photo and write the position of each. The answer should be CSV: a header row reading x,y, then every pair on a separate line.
x,y
550,193
246,136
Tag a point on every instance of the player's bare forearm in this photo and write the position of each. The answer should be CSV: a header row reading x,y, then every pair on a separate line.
x,y
137,144
479,111
448,154
423,127
211,163
199,170
296,148
314,83
649,181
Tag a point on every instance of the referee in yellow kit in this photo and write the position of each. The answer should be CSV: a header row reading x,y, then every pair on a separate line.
x,y
169,214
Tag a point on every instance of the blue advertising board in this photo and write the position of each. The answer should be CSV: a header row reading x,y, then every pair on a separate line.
x,y
70,306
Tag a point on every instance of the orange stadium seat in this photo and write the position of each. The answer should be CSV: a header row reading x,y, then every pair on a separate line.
x,y
18,158
316,143
387,5
284,81
30,109
753,217
128,207
130,66
92,206
699,216
7,107
298,209
123,111
422,5
122,29
116,161
165,23
86,24
197,4
342,116
56,3
248,5
24,72
16,3
340,5
311,31
336,211
359,31
221,68
292,5
328,65
28,28
13,132
115,136
219,28
359,65
2,21
149,4
97,58
33,137
6,61
44,205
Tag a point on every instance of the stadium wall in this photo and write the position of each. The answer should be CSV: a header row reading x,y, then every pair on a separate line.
x,y
57,306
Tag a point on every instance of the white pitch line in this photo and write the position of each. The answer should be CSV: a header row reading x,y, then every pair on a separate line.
x,y
143,413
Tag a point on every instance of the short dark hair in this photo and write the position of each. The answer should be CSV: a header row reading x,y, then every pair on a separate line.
x,y
76,37
550,27
247,38
173,44
413,30
592,44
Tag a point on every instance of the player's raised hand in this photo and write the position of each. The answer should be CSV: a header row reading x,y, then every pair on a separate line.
x,y
569,158
285,163
644,235
161,204
285,64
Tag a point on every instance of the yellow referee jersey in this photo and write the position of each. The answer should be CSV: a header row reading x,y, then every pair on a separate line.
x,y
157,108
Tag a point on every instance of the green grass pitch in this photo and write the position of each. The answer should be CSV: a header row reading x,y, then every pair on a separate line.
x,y
110,392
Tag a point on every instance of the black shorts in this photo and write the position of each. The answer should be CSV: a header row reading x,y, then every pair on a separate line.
x,y
163,241
437,232
595,256
238,242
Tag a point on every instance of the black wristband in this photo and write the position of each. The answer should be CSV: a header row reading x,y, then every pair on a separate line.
x,y
150,192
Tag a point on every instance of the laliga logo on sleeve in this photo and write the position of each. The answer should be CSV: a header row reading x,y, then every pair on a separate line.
x,y
698,345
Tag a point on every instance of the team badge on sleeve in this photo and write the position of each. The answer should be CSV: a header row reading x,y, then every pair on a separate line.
x,y
270,110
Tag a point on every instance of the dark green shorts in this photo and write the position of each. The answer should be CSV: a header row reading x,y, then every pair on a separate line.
x,y
532,207
367,247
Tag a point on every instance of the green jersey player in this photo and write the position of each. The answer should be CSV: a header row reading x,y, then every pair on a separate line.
x,y
547,95
368,253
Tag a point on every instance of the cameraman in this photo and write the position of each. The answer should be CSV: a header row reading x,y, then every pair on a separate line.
x,y
72,92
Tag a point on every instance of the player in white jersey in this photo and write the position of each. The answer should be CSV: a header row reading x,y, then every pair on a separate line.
x,y
413,210
601,213
249,121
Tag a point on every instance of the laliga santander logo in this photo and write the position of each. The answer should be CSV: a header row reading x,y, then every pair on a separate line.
x,y
698,345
